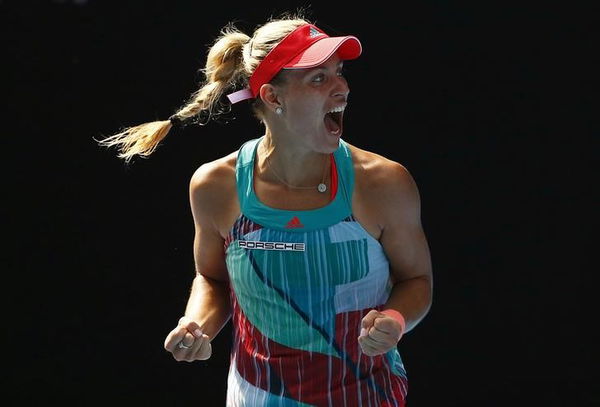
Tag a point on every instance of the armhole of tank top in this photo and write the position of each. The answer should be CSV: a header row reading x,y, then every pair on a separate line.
x,y
346,176
244,175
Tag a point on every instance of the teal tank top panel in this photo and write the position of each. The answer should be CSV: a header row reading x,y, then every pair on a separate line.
x,y
303,220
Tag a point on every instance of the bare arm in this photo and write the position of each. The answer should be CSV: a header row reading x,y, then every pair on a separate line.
x,y
405,244
208,303
208,307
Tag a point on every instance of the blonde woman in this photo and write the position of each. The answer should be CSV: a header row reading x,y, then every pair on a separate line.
x,y
312,245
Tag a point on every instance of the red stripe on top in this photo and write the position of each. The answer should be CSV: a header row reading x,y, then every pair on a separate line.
x,y
334,177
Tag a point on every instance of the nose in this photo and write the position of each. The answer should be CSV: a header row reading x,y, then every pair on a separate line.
x,y
340,88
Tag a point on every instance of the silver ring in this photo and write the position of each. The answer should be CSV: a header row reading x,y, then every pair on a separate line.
x,y
180,345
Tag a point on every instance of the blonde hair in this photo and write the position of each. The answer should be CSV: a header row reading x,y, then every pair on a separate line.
x,y
230,62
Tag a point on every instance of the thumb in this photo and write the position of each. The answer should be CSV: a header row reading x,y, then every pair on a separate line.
x,y
368,321
192,326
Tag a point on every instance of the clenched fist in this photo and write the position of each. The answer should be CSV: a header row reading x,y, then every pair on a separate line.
x,y
187,342
380,333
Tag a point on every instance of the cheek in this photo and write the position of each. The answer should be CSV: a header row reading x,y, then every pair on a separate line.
x,y
307,112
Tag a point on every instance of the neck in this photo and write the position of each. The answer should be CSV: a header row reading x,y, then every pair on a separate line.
x,y
291,167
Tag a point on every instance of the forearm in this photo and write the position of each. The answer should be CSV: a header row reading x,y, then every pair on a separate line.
x,y
412,298
209,305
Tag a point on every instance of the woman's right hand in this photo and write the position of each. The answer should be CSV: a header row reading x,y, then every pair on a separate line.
x,y
187,342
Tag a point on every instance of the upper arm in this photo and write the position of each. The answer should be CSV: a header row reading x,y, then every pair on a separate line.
x,y
402,237
205,196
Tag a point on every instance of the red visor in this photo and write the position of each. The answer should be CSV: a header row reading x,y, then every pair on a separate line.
x,y
305,47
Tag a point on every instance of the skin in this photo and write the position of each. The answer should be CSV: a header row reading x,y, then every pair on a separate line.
x,y
385,202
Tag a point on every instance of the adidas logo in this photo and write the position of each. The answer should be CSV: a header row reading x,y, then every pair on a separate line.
x,y
294,223
314,32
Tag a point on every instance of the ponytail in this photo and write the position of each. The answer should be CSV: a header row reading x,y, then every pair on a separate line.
x,y
229,63
224,70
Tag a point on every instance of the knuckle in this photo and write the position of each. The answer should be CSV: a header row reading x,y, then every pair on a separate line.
x,y
382,323
205,354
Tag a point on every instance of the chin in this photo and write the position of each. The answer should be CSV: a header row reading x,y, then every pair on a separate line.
x,y
332,142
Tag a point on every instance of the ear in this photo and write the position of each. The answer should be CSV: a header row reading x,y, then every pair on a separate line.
x,y
270,97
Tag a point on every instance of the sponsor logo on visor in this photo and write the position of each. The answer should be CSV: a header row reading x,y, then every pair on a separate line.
x,y
257,245
314,32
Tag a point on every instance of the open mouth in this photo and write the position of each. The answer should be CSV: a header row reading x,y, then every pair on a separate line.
x,y
333,120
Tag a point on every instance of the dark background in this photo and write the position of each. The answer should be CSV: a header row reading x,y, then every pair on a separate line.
x,y
489,106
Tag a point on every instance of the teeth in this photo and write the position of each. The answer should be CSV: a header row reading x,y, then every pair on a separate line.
x,y
337,109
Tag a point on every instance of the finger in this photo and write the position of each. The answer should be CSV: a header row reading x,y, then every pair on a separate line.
x,y
174,337
366,341
367,348
376,343
201,350
369,319
204,350
187,342
186,348
389,325
376,347
191,326
378,336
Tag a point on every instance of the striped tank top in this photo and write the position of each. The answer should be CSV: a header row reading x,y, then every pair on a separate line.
x,y
301,282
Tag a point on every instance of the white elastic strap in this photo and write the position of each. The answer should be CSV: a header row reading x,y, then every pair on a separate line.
x,y
240,95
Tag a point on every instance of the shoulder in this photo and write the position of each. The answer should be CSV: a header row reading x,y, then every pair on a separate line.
x,y
385,186
381,173
212,186
211,174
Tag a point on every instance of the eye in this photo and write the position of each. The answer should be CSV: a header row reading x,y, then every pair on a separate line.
x,y
318,78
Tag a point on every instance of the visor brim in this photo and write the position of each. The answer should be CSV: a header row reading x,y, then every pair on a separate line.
x,y
348,47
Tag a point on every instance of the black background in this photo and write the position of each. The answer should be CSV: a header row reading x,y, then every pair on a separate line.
x,y
489,106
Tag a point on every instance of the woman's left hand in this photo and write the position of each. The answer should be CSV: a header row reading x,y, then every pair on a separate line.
x,y
379,334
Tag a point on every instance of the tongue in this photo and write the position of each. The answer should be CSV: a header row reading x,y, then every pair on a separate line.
x,y
331,124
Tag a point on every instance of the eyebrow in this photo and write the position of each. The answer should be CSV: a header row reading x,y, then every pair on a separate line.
x,y
322,68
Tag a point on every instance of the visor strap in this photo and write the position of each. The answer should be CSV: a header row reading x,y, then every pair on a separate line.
x,y
240,95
